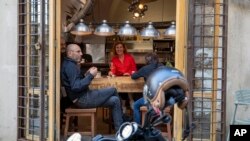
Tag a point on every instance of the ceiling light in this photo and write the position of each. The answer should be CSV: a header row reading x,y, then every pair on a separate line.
x,y
127,30
136,14
150,31
81,29
140,6
137,8
170,31
104,29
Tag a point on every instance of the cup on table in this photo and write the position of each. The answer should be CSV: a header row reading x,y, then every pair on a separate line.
x,y
98,75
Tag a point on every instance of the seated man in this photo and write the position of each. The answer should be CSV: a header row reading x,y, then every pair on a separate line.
x,y
77,86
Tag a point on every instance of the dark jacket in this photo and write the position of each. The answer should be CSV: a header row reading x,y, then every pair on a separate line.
x,y
74,82
145,71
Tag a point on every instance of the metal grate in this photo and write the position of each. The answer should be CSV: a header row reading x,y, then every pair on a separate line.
x,y
32,70
207,38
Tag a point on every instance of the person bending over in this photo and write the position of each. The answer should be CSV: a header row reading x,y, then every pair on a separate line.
x,y
152,63
77,86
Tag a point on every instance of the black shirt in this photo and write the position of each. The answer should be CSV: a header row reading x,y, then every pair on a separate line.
x,y
72,79
145,71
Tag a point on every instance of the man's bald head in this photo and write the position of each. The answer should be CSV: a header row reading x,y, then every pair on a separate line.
x,y
72,47
74,52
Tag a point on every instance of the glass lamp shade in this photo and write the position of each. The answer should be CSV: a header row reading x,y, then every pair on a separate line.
x,y
150,31
104,29
170,31
81,29
127,30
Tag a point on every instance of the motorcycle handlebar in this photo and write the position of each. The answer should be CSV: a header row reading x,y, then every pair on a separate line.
x,y
102,138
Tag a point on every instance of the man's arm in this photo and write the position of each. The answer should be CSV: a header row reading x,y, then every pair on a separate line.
x,y
76,81
139,73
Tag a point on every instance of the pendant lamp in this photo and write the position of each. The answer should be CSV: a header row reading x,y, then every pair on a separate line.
x,y
150,31
81,29
170,31
127,30
104,29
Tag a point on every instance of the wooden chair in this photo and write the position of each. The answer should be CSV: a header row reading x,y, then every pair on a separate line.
x,y
242,100
76,112
168,134
72,112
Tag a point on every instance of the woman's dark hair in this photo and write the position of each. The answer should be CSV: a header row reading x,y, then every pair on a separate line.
x,y
117,43
151,58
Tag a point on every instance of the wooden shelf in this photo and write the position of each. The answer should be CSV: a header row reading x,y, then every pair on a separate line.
x,y
165,49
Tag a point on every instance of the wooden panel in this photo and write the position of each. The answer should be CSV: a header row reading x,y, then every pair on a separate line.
x,y
180,59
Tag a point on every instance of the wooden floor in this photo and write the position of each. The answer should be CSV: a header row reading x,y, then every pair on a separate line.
x,y
102,126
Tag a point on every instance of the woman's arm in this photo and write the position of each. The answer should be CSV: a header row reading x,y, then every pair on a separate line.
x,y
112,68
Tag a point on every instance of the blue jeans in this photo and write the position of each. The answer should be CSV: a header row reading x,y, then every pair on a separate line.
x,y
106,97
137,115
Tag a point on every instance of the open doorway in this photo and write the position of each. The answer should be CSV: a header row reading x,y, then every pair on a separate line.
x,y
161,12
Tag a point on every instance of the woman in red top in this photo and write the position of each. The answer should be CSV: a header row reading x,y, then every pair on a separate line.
x,y
122,63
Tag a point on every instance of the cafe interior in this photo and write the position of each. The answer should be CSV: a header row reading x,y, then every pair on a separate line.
x,y
144,26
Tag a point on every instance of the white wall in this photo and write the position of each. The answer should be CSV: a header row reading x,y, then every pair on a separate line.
x,y
238,62
8,70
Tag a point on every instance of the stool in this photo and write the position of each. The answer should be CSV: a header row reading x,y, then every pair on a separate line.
x,y
107,118
168,134
72,112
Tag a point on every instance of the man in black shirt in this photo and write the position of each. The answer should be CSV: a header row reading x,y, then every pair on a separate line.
x,y
77,86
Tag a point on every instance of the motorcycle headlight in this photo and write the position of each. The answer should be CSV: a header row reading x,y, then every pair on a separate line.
x,y
126,130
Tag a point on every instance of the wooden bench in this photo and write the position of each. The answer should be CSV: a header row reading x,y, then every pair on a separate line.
x,y
168,134
73,112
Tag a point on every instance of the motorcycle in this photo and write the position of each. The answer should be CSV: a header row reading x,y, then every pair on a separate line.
x,y
131,131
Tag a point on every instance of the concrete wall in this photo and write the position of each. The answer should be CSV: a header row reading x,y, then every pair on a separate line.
x,y
238,64
8,70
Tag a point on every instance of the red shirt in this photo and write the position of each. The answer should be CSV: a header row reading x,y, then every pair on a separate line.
x,y
127,66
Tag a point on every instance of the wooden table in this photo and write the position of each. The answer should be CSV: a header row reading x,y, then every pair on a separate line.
x,y
121,83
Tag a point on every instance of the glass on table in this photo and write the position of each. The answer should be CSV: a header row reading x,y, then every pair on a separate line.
x,y
112,68
98,75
